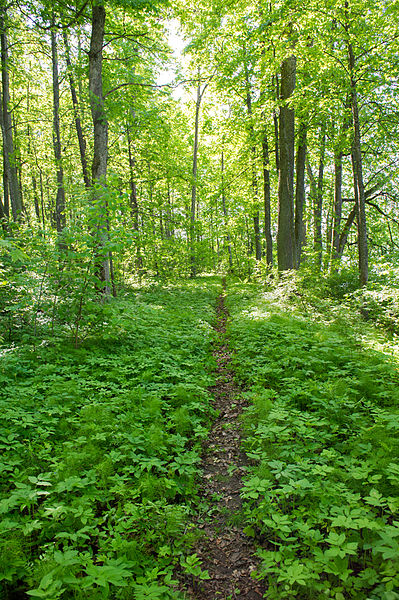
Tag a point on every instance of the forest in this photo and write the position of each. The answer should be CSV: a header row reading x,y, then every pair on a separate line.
x,y
199,299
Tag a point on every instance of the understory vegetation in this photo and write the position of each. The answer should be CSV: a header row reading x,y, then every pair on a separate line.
x,y
321,496
101,440
100,448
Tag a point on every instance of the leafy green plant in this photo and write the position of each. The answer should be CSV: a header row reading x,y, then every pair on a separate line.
x,y
321,492
100,452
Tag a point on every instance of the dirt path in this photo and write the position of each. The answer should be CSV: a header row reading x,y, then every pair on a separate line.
x,y
226,552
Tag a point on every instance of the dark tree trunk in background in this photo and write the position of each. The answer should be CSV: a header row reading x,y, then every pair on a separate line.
x,y
255,191
266,199
285,233
78,122
318,203
60,195
193,266
226,216
134,207
338,157
357,163
300,232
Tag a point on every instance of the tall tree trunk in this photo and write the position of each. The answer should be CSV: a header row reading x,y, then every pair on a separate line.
x,y
338,157
78,122
345,231
100,150
266,199
255,191
224,207
5,172
60,196
300,230
285,233
134,207
357,163
9,156
318,202
275,122
193,266
169,224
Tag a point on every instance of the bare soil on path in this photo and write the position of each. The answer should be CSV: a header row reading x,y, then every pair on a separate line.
x,y
225,551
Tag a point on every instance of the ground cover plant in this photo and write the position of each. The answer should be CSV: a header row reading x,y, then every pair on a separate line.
x,y
322,434
100,447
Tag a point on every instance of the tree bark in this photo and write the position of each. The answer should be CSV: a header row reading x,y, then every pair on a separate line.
x,y
357,164
255,192
100,150
134,207
10,165
193,266
285,233
78,122
266,199
60,195
318,202
224,207
300,231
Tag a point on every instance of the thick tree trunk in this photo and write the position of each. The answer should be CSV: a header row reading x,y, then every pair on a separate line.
x,y
78,122
100,150
10,165
266,199
60,196
285,233
300,231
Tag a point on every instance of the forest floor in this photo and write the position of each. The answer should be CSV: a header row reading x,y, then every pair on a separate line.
x,y
226,553
254,452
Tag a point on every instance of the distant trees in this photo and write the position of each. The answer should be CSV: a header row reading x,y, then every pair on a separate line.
x,y
298,153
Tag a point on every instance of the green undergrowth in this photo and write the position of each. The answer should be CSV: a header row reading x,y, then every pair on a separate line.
x,y
322,433
100,448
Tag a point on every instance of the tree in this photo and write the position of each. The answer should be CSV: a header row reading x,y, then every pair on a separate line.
x,y
285,234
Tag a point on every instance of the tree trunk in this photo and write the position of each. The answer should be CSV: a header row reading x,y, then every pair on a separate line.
x,y
10,165
226,216
100,150
255,192
60,196
345,231
134,207
193,267
357,164
266,199
318,203
78,122
338,157
285,233
300,230
275,122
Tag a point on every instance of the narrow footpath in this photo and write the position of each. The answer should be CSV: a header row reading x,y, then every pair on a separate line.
x,y
226,552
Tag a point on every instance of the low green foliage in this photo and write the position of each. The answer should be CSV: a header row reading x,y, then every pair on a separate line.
x,y
322,428
100,448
